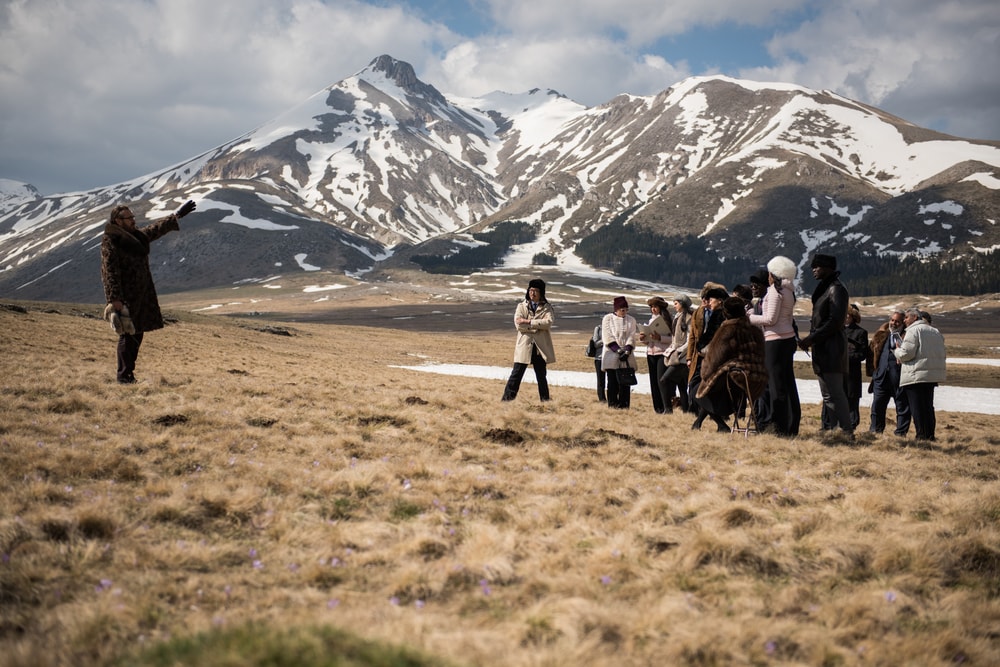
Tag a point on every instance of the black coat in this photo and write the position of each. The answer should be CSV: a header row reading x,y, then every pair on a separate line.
x,y
858,353
125,270
826,328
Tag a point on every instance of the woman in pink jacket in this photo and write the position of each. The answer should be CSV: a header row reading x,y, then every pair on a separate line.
x,y
778,323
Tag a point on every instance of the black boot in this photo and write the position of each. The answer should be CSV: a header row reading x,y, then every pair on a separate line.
x,y
697,422
721,424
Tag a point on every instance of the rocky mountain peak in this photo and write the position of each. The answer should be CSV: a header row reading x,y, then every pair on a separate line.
x,y
401,73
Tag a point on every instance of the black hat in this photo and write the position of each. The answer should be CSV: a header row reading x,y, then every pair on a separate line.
x,y
619,302
759,277
734,307
826,261
719,293
742,291
538,284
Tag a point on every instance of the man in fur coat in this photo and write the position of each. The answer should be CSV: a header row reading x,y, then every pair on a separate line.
x,y
698,326
128,283
737,345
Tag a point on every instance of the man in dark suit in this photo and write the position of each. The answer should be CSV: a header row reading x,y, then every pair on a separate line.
x,y
885,376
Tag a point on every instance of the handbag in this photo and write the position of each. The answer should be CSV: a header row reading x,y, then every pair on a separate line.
x,y
591,348
626,376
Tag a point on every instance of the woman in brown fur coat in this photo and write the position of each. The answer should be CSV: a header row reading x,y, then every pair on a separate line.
x,y
736,345
128,283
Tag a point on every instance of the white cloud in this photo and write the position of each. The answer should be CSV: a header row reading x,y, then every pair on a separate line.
x,y
93,92
159,81
932,63
589,70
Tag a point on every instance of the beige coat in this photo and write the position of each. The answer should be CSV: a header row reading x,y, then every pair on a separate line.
x,y
536,332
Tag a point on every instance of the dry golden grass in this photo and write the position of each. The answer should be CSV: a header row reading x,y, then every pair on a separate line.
x,y
306,479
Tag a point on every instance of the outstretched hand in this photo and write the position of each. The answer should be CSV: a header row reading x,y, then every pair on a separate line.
x,y
186,208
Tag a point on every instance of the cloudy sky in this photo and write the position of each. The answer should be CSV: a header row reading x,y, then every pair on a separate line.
x,y
95,92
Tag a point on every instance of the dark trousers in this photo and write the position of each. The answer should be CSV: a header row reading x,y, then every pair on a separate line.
x,y
661,400
921,399
835,408
692,385
674,379
717,403
514,381
601,380
785,410
619,394
882,394
128,352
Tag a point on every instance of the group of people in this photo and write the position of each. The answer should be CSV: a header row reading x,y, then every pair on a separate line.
x,y
735,350
732,352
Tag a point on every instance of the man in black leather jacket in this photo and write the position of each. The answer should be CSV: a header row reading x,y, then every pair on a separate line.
x,y
827,339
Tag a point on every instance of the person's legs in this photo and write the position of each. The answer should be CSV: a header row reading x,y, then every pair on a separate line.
x,y
831,386
719,404
614,390
700,413
903,415
128,353
932,416
852,387
921,400
827,419
770,410
678,378
538,364
601,381
514,382
654,364
784,394
880,401
692,389
915,409
665,386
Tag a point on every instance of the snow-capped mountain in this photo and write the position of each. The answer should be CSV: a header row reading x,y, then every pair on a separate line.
x,y
15,193
380,166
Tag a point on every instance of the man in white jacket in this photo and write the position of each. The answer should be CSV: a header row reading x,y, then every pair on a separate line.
x,y
923,355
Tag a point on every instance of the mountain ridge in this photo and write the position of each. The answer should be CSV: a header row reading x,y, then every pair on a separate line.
x,y
376,168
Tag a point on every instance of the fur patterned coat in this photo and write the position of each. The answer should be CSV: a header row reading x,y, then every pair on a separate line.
x,y
125,270
737,344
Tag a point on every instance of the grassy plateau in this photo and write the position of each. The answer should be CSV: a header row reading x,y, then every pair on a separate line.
x,y
293,495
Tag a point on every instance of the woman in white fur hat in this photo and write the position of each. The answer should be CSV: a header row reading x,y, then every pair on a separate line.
x,y
778,322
